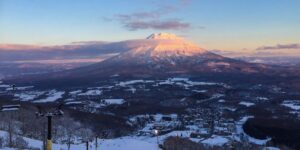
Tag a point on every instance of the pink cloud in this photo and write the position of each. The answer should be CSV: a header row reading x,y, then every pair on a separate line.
x,y
19,47
154,19
280,46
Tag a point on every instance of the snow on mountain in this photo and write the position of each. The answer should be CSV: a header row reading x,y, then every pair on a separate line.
x,y
161,54
164,36
167,53
164,45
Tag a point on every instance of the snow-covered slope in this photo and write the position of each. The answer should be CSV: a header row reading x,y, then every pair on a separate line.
x,y
163,45
165,53
125,143
160,50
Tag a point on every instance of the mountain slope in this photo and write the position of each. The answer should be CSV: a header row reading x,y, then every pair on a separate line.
x,y
160,54
166,53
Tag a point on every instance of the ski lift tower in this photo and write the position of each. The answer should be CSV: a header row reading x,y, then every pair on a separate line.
x,y
49,115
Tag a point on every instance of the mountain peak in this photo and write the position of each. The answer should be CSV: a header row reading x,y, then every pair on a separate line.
x,y
164,36
162,45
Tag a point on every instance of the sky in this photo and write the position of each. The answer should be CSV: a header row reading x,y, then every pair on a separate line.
x,y
235,25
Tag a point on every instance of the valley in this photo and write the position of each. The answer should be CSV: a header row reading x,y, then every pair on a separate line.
x,y
156,91
211,111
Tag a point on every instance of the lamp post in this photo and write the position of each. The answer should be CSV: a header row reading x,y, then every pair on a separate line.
x,y
156,132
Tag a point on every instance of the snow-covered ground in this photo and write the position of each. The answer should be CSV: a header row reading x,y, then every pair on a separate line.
x,y
216,140
39,144
185,82
262,98
129,143
200,91
114,101
240,130
73,103
131,89
221,101
247,104
28,95
75,92
4,86
271,148
133,142
150,142
126,83
123,143
91,93
292,104
53,95
20,88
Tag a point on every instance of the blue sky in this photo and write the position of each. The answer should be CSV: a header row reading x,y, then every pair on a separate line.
x,y
213,24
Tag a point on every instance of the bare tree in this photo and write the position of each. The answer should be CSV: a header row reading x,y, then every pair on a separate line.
x,y
85,134
10,125
67,131
1,142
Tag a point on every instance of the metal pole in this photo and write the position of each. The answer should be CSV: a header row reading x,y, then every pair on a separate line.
x,y
87,145
49,116
96,143
49,136
10,130
44,136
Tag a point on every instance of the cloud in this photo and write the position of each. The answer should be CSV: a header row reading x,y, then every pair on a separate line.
x,y
232,53
137,15
5,47
223,52
154,24
280,47
154,19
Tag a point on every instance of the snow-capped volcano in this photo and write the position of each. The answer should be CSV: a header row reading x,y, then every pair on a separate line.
x,y
160,46
161,54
